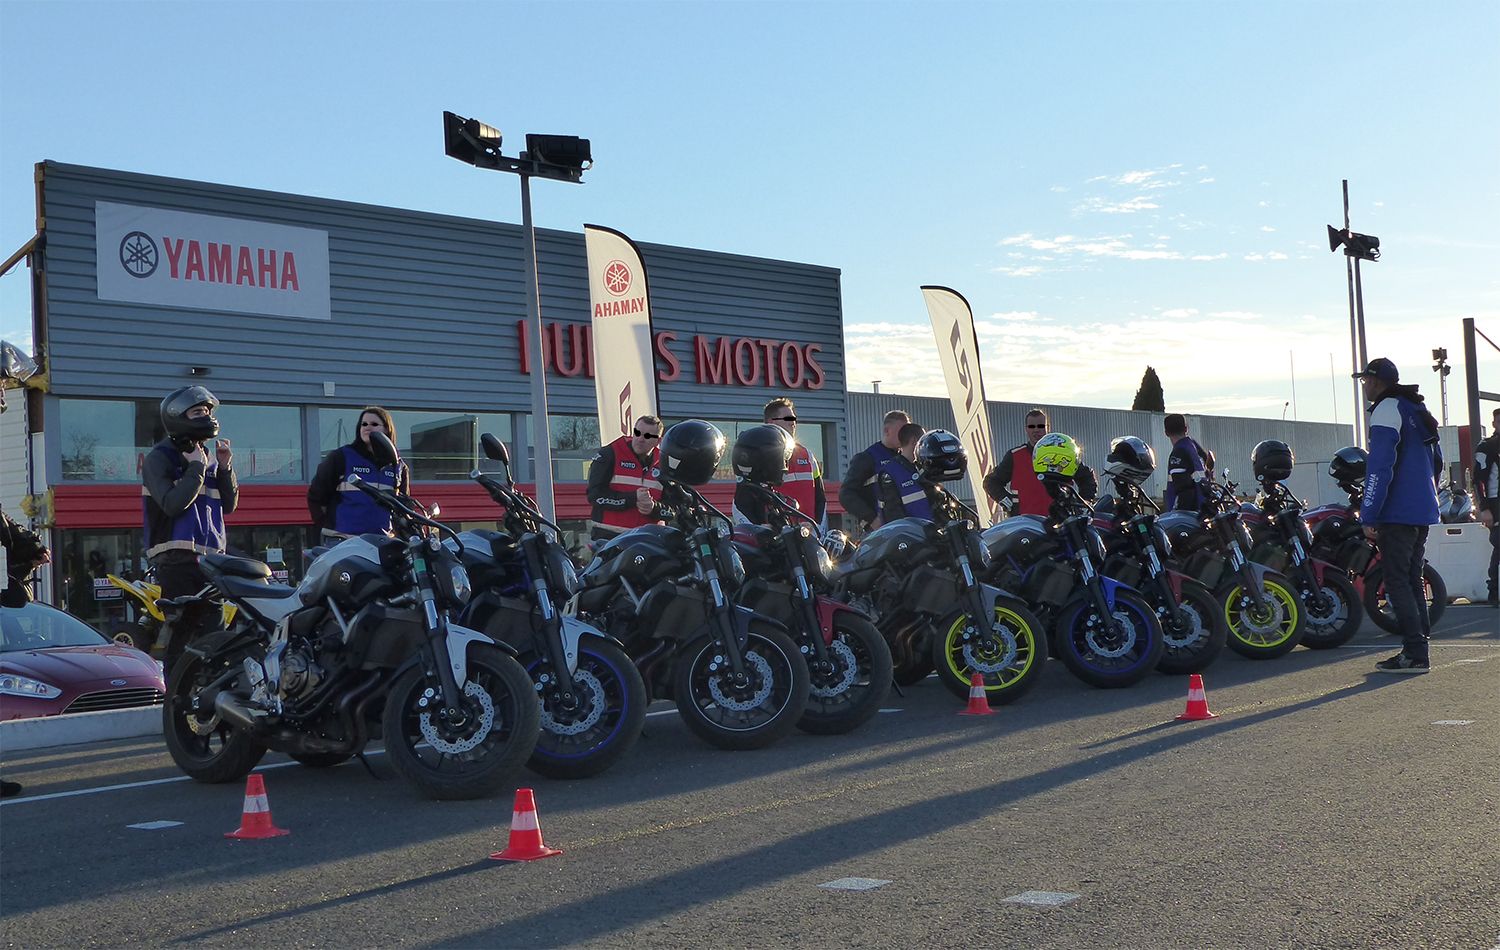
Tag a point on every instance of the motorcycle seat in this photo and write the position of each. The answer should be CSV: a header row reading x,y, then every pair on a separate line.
x,y
242,588
235,566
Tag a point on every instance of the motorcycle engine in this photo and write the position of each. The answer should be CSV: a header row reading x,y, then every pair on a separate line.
x,y
300,674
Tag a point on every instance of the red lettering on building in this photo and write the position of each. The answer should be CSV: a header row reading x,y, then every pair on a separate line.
x,y
713,364
751,376
244,270
194,261
674,369
580,343
790,377
266,267
289,272
811,351
220,263
174,254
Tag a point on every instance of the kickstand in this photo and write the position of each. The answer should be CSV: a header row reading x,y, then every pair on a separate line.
x,y
366,763
897,687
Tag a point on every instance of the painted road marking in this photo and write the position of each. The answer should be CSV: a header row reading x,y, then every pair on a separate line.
x,y
1454,722
155,825
662,712
1042,898
855,884
890,710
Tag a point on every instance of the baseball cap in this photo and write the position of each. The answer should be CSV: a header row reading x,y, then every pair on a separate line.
x,y
1382,369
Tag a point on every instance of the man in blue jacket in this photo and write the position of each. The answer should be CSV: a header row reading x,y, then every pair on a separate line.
x,y
1400,502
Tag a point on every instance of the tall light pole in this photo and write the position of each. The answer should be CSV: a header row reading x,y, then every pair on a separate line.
x,y
1357,247
1441,367
560,158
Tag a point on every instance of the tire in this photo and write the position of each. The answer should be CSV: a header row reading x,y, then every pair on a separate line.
x,y
1263,637
608,721
771,704
1380,610
206,749
847,696
1096,659
321,760
1336,623
500,732
1010,669
1193,648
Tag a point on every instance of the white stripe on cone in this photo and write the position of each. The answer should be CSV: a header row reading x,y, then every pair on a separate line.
x,y
1198,694
255,804
524,821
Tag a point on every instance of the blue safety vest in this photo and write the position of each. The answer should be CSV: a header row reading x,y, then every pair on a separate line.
x,y
913,496
200,528
356,512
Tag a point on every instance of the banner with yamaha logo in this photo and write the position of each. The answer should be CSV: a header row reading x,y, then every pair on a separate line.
x,y
206,262
624,370
958,346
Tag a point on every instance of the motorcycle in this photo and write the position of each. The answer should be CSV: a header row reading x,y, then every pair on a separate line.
x,y
665,591
1261,606
921,582
145,633
363,638
1139,555
1284,543
848,661
1104,631
593,702
1338,537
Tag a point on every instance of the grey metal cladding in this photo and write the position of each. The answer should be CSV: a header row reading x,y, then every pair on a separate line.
x,y
424,310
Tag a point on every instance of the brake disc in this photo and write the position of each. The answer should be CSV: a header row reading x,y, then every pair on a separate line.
x,y
848,671
1267,624
986,663
480,732
591,692
1097,631
762,693
1193,630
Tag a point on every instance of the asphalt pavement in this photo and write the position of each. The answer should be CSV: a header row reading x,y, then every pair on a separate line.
x,y
1326,806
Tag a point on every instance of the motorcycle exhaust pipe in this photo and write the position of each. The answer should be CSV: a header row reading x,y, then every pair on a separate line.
x,y
237,715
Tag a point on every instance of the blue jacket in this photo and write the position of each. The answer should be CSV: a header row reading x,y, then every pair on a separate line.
x,y
904,476
1405,459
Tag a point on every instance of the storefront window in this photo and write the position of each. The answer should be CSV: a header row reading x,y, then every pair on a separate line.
x,y
106,440
438,446
575,442
808,434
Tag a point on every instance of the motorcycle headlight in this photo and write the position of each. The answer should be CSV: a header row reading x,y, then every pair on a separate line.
x,y
979,553
732,567
562,575
825,563
459,589
13,685
1163,543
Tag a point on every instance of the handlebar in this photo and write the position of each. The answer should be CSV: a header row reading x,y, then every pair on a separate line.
x,y
782,504
512,499
393,503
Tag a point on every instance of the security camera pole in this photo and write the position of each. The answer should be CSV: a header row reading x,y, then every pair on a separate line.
x,y
1357,247
560,158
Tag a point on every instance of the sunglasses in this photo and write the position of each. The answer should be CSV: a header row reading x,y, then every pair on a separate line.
x,y
647,435
1034,426
372,425
784,418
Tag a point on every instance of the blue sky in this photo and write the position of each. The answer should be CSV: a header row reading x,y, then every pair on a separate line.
x,y
1109,184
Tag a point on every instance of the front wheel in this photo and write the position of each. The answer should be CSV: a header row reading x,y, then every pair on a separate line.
x,y
753,712
602,724
1010,656
1334,612
848,688
1379,607
1263,631
1197,637
203,745
475,754
1109,652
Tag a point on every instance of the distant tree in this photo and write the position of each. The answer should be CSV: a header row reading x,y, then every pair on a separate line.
x,y
1150,396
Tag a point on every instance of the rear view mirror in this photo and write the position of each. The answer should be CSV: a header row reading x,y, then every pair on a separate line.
x,y
385,453
494,449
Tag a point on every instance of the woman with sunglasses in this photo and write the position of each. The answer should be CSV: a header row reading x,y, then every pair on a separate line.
x,y
623,490
338,509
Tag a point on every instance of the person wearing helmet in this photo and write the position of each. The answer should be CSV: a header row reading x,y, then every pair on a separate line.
x,y
187,494
1487,488
1056,460
622,489
804,477
1016,475
761,456
903,495
1130,459
338,509
859,494
1189,465
1400,502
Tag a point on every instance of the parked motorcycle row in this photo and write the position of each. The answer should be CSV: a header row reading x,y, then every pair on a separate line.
x,y
474,654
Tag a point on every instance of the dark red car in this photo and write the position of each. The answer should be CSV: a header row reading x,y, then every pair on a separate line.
x,y
52,663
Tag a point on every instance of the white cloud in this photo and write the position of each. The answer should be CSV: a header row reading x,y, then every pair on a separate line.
x,y
1276,256
1205,181
1180,313
1058,188
1105,206
1267,228
1027,271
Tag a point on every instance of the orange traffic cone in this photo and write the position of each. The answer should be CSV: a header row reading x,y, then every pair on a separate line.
x,y
525,832
979,703
1197,703
255,820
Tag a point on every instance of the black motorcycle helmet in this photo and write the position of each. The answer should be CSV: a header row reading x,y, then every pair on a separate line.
x,y
174,418
941,457
1130,458
761,454
1348,465
1272,461
690,452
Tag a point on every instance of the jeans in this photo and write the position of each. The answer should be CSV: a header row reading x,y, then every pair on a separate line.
x,y
1494,576
1401,552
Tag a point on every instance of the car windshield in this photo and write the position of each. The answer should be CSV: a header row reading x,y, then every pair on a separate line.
x,y
39,627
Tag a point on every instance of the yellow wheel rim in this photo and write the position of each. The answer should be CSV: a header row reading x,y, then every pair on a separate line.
x,y
1269,631
995,680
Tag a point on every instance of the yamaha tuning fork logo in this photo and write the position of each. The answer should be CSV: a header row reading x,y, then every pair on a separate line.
x,y
138,254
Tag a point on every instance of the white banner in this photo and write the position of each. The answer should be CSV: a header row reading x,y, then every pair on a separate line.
x,y
205,262
958,347
624,368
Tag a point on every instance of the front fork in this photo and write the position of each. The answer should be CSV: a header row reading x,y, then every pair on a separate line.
x,y
552,641
1164,589
729,638
437,636
813,644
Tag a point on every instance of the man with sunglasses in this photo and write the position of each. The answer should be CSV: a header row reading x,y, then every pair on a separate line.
x,y
803,482
623,487
1030,494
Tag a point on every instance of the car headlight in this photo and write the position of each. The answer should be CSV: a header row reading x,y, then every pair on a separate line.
x,y
13,685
